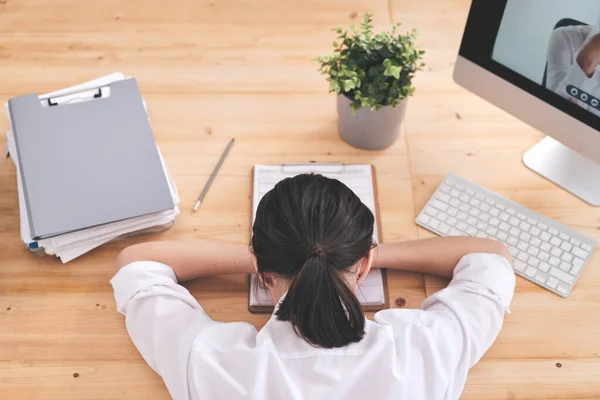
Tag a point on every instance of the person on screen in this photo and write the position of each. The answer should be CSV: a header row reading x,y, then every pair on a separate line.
x,y
312,244
573,61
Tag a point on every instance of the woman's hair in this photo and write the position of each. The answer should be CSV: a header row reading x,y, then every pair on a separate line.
x,y
312,230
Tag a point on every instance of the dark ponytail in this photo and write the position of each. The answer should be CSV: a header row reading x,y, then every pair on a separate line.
x,y
312,231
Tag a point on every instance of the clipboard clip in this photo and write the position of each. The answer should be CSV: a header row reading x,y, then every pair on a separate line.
x,y
77,97
313,166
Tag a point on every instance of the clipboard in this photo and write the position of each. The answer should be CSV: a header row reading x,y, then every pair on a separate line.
x,y
308,168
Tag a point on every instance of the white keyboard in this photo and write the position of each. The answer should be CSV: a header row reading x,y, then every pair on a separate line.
x,y
544,251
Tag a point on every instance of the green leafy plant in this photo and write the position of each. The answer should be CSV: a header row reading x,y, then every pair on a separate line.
x,y
372,70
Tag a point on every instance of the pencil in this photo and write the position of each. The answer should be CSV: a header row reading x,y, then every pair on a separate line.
x,y
213,175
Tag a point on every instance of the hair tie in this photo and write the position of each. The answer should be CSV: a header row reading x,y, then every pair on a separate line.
x,y
317,251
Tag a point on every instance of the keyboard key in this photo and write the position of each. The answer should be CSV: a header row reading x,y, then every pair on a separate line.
x,y
454,202
434,224
439,205
556,252
575,270
513,251
544,267
464,198
535,242
522,246
511,211
452,211
459,186
454,193
450,182
561,275
431,211
471,221
461,216
563,290
474,212
545,236
542,226
464,207
578,261
555,262
568,257
514,231
494,222
481,235
444,229
566,246
504,227
482,226
521,216
500,206
543,256
579,253
530,271
442,217
575,242
491,231
553,231
555,241
490,201
494,212
444,188
519,266
454,232
423,219
484,207
504,217
531,221
525,226
471,231
564,236
533,251
552,282
541,278
469,192
512,241
586,247
535,231
451,221
534,262
545,246
565,266
479,197
474,202
461,226
525,236
522,256
514,221
484,217
502,236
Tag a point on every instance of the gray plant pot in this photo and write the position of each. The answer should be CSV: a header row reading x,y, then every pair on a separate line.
x,y
370,130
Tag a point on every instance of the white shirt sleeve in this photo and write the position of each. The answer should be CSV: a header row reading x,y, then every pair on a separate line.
x,y
162,318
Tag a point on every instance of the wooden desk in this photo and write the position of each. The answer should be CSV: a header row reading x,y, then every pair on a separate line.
x,y
213,69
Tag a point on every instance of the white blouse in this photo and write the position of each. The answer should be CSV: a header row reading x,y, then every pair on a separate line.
x,y
405,354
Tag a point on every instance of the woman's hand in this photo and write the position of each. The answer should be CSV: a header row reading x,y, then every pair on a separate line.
x,y
589,56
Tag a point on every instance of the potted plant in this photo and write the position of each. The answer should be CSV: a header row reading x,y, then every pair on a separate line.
x,y
372,75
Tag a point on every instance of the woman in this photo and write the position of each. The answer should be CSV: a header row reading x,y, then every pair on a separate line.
x,y
312,245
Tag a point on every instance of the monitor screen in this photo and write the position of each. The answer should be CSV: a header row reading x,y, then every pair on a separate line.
x,y
549,48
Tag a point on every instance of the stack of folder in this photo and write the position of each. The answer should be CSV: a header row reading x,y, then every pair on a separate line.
x,y
88,168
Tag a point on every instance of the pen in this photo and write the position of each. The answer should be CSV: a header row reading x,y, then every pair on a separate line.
x,y
213,175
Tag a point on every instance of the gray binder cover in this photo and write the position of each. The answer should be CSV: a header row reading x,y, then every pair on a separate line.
x,y
88,163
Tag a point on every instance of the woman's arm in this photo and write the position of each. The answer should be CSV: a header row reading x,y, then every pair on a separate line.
x,y
436,256
191,259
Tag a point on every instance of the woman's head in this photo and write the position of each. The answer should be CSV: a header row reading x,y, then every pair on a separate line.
x,y
314,234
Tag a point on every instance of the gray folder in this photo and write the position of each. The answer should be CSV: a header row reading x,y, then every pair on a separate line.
x,y
88,163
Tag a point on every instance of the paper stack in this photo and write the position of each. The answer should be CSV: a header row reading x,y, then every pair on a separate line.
x,y
70,245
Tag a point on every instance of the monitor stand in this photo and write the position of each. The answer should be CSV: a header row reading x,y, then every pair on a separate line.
x,y
567,168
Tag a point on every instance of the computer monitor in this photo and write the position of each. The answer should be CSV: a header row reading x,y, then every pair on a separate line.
x,y
540,61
